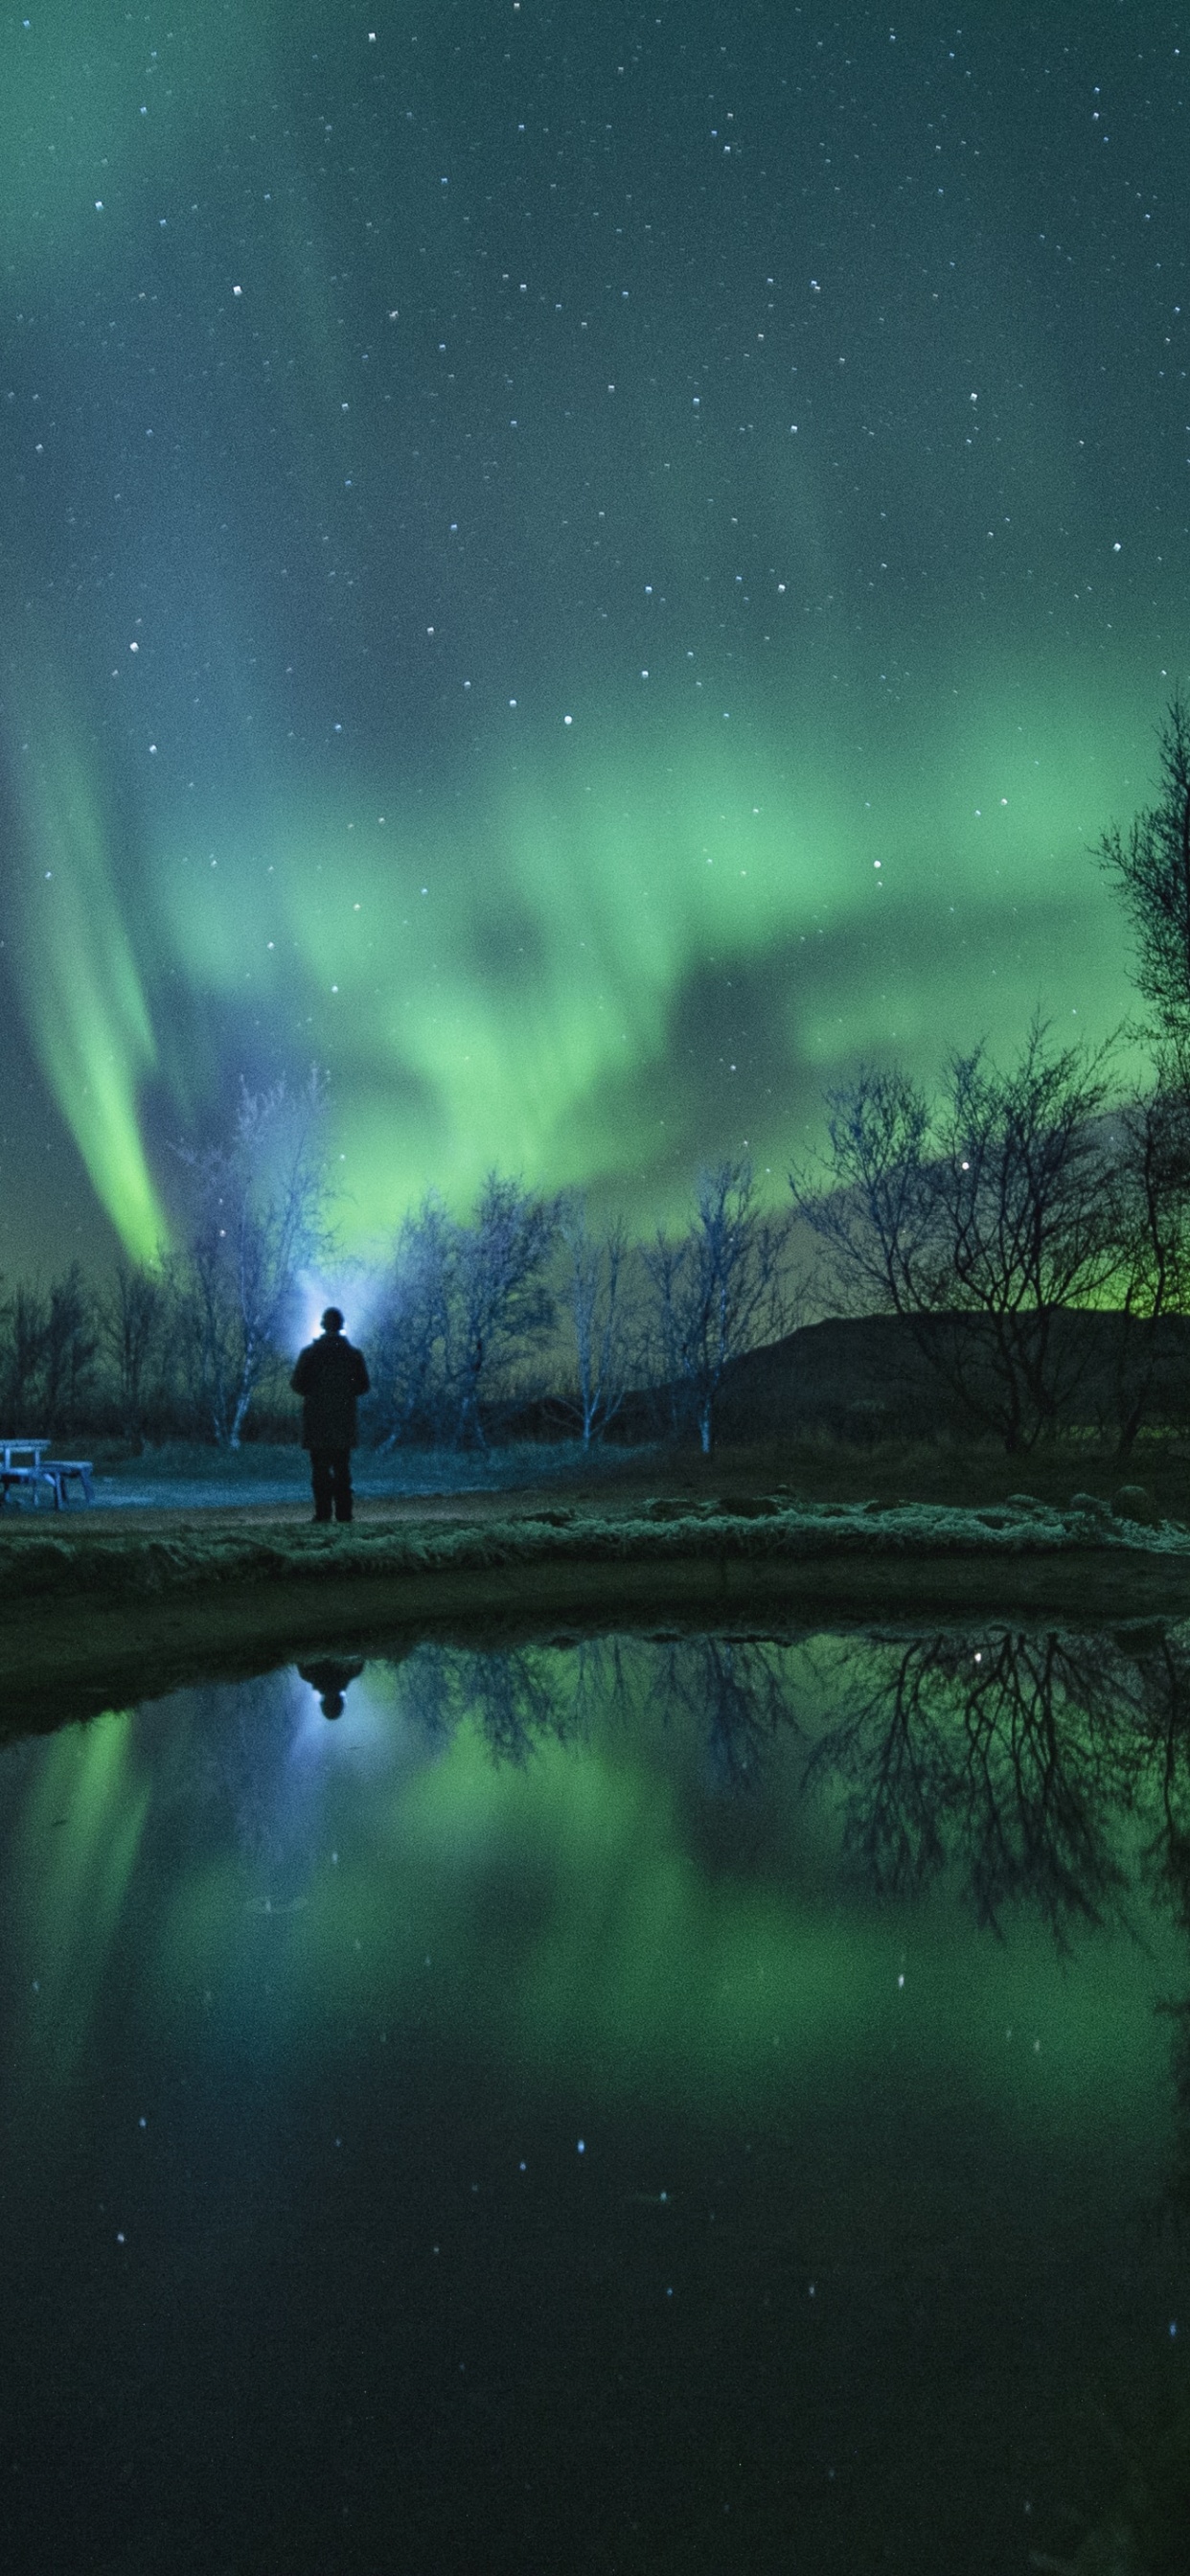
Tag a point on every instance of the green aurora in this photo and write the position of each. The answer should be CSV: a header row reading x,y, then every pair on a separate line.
x,y
583,579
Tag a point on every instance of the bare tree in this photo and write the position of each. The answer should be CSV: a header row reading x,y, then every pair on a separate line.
x,y
69,1343
1151,864
181,1389
131,1327
412,1333
500,1297
718,1291
982,1220
594,1270
22,1356
1152,1190
465,1301
870,1201
258,1216
659,1363
47,1353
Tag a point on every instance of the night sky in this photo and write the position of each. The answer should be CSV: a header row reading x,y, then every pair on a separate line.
x,y
583,568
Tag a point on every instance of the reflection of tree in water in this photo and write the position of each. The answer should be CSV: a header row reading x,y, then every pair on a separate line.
x,y
514,1701
1019,1757
1163,1667
513,1697
737,1691
520,1698
1165,1661
1044,1768
1015,1756
1012,1756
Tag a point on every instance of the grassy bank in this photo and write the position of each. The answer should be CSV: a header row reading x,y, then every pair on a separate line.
x,y
79,1555
94,1612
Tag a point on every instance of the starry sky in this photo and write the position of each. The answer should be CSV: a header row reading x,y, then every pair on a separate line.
x,y
583,568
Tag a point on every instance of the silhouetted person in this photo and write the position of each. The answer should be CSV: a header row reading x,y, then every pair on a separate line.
x,y
330,1679
329,1377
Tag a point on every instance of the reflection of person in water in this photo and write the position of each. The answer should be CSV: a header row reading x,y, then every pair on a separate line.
x,y
331,1677
329,1376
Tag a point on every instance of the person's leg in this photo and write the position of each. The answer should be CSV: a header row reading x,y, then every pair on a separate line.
x,y
322,1478
342,1474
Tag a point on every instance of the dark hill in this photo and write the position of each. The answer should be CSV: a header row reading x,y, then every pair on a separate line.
x,y
865,1378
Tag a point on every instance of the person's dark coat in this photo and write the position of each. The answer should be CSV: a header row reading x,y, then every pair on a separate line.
x,y
329,1376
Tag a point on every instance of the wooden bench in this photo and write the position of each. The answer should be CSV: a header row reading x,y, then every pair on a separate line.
x,y
24,1463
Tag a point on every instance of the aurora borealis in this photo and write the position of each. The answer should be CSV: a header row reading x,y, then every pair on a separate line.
x,y
581,569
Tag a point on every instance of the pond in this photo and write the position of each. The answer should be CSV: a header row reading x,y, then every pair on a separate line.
x,y
652,2104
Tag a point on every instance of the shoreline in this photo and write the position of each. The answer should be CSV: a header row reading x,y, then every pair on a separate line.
x,y
94,1619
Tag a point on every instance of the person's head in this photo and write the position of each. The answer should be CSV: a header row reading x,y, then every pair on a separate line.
x,y
332,1321
331,1703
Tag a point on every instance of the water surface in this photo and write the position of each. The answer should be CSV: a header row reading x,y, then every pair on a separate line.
x,y
662,2104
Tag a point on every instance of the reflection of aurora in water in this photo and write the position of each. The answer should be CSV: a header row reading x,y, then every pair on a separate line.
x,y
839,1958
77,1845
995,1777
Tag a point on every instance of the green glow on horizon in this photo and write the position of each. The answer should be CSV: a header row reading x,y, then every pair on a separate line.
x,y
523,1009
266,311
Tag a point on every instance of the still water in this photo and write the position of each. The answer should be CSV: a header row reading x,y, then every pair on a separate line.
x,y
647,2105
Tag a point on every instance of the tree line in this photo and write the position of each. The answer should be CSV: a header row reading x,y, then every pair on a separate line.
x,y
991,1216
519,1311
994,1216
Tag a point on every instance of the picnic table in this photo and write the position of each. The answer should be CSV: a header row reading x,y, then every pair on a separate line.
x,y
24,1463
